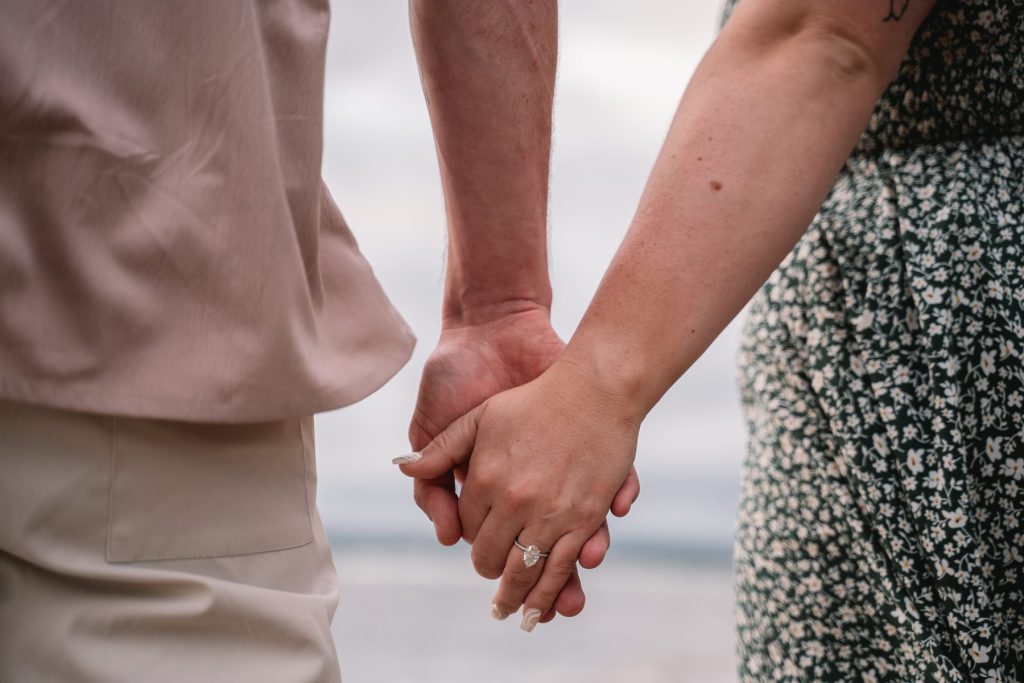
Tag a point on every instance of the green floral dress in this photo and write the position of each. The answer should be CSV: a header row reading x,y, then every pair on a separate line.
x,y
881,524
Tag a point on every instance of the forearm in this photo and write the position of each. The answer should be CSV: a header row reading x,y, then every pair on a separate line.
x,y
488,73
756,143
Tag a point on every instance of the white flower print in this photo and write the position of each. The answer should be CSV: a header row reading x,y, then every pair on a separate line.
x,y
933,295
885,352
994,447
914,463
988,362
956,518
1014,467
864,320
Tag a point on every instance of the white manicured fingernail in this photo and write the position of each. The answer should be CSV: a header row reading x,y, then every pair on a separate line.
x,y
497,613
530,619
407,459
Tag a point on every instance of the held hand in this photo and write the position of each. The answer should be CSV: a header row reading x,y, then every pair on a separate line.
x,y
470,364
548,460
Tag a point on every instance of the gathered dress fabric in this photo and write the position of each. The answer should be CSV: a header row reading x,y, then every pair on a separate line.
x,y
881,525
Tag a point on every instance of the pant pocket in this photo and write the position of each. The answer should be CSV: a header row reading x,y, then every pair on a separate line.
x,y
186,490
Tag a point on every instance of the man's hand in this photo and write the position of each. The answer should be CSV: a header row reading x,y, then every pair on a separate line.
x,y
470,364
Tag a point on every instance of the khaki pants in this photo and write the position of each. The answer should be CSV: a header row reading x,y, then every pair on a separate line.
x,y
149,551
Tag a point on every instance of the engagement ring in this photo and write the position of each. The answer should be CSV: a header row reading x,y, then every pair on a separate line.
x,y
531,553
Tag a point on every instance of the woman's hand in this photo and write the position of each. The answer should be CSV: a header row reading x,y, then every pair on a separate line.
x,y
471,363
548,459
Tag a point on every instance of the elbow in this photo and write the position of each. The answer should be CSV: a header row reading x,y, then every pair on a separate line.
x,y
809,42
845,52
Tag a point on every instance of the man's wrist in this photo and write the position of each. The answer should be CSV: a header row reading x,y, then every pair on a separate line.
x,y
480,310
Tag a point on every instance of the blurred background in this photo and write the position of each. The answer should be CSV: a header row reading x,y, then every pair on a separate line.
x,y
660,608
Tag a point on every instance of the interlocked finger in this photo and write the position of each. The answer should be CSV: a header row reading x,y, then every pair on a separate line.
x,y
570,601
491,542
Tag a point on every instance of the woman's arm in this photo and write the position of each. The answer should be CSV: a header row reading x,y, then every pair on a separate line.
x,y
766,123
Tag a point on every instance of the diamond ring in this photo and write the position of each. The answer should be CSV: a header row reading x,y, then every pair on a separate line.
x,y
531,553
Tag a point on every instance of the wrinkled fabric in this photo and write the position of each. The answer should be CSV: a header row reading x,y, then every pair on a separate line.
x,y
167,246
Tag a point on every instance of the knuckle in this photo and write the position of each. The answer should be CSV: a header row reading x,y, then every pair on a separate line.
x,y
560,567
420,429
483,478
442,442
489,573
519,498
484,566
464,426
458,431
519,579
419,498
542,599
590,511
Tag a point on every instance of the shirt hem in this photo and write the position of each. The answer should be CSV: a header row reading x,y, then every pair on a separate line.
x,y
52,394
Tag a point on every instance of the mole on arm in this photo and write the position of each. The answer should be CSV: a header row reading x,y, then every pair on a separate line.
x,y
715,185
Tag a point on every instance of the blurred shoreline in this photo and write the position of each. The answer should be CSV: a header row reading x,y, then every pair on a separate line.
x,y
417,612
693,553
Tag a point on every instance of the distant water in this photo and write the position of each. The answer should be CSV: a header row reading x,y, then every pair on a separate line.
x,y
415,614
713,554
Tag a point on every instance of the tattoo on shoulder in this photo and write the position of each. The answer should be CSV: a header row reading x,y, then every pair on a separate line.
x,y
896,10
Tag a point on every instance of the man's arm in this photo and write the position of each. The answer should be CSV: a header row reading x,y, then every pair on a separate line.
x,y
488,72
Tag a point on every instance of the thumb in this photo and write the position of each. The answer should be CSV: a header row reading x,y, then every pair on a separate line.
x,y
451,447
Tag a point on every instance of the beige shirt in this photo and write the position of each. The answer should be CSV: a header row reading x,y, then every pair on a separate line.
x,y
167,246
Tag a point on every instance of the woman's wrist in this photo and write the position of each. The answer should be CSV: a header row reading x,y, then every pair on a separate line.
x,y
598,383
